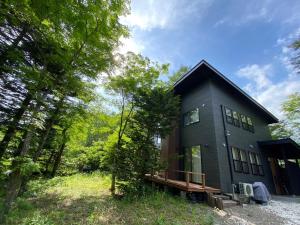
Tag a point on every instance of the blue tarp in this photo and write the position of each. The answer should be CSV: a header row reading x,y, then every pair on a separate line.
x,y
261,193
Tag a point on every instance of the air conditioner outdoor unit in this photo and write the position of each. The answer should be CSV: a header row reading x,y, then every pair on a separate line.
x,y
246,189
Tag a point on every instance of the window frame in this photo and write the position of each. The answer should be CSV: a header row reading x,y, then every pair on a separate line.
x,y
240,165
256,166
250,126
236,121
188,115
244,124
228,117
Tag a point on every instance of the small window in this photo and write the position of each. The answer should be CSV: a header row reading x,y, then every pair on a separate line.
x,y
236,119
244,122
240,161
256,164
229,117
191,117
250,124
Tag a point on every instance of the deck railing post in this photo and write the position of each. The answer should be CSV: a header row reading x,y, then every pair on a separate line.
x,y
203,180
187,178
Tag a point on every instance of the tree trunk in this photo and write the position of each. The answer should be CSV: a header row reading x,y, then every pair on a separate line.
x,y
15,178
113,178
10,132
59,154
48,162
46,131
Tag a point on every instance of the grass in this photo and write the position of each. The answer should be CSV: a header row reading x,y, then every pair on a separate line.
x,y
85,199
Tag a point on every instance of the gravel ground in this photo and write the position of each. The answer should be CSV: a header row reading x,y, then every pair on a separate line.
x,y
280,210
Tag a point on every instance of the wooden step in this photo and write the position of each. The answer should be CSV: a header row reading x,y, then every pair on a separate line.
x,y
224,197
229,203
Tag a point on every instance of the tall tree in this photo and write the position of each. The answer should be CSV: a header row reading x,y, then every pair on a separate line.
x,y
53,49
61,42
134,72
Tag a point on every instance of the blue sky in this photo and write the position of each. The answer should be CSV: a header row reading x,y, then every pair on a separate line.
x,y
245,40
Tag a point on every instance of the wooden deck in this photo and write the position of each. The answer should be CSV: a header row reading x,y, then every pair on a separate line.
x,y
182,185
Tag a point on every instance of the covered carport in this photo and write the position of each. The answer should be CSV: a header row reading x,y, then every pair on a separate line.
x,y
284,158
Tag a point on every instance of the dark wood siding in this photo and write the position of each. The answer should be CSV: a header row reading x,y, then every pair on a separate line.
x,y
201,133
238,137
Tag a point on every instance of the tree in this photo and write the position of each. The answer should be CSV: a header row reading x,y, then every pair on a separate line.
x,y
135,73
290,125
52,51
296,58
156,114
57,45
176,75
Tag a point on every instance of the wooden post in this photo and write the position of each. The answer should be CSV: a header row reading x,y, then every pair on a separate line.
x,y
203,180
166,175
187,179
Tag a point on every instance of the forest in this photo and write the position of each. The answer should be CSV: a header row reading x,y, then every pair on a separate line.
x,y
70,103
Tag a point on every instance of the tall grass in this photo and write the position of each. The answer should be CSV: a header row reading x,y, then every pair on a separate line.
x,y
85,199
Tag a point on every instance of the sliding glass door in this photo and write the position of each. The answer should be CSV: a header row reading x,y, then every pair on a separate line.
x,y
193,163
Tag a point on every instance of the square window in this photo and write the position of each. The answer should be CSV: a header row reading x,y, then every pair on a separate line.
x,y
191,117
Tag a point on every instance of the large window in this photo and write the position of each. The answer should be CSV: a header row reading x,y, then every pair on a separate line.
x,y
191,117
236,119
256,165
240,161
193,163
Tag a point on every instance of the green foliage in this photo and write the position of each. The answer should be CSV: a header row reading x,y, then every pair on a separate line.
x,y
88,136
176,75
296,57
290,126
26,165
147,109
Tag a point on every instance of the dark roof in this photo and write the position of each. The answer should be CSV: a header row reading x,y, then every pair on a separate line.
x,y
179,84
281,147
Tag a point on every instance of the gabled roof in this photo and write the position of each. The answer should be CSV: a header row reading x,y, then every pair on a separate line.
x,y
271,118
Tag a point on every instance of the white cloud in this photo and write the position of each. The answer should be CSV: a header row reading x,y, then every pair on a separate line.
x,y
150,14
131,45
273,96
287,53
268,93
258,74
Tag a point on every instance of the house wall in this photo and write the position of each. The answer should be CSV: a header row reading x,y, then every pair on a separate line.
x,y
169,152
201,133
238,137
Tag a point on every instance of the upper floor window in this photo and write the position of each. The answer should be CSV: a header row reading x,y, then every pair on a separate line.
x,y
256,164
244,122
191,117
240,161
232,117
250,124
236,120
229,117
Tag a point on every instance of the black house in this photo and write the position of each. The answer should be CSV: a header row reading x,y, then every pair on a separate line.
x,y
223,133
